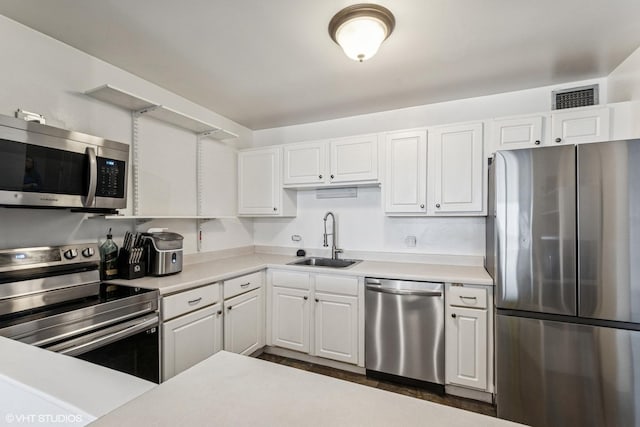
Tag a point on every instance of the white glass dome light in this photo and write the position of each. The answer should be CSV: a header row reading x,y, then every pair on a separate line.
x,y
360,29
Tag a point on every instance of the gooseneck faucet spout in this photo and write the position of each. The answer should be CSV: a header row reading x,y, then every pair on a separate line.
x,y
334,235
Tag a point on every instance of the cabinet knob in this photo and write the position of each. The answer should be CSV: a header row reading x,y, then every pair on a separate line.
x,y
537,142
219,312
317,300
332,176
558,139
230,307
305,298
275,209
320,176
422,206
453,315
437,205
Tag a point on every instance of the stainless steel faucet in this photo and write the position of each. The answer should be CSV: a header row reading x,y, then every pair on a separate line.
x,y
334,235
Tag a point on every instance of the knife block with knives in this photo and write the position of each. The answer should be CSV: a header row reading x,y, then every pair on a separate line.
x,y
131,260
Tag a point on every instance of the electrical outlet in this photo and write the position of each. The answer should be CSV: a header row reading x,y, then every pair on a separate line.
x,y
410,241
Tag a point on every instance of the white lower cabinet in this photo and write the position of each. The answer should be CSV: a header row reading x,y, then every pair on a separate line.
x,y
243,323
319,314
190,339
336,327
290,318
468,332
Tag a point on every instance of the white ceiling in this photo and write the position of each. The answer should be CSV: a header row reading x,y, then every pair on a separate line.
x,y
269,63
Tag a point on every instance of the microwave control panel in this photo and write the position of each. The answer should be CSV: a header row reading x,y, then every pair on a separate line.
x,y
111,174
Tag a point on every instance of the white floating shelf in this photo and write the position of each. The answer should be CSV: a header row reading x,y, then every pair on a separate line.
x,y
129,101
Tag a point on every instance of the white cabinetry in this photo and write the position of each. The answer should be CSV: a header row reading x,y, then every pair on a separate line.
x,y
244,325
518,132
589,124
260,190
305,163
405,184
339,162
354,159
191,329
468,337
571,126
455,170
290,318
318,314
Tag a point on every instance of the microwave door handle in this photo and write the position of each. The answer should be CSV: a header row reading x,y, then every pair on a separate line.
x,y
93,177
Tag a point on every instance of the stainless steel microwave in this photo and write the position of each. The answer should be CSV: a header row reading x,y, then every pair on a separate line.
x,y
44,166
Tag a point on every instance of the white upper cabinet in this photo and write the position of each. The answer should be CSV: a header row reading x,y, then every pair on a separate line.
x,y
589,124
305,163
405,185
354,159
260,190
518,132
344,161
455,169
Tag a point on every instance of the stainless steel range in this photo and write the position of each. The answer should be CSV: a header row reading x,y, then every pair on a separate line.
x,y
52,297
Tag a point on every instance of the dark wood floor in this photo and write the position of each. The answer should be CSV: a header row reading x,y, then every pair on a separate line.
x,y
419,393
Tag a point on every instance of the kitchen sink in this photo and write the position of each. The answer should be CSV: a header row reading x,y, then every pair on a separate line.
x,y
326,262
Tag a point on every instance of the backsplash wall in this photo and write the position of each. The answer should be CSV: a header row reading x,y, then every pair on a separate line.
x,y
363,226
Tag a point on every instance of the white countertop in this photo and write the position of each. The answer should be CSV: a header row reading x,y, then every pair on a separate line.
x,y
46,381
232,390
203,273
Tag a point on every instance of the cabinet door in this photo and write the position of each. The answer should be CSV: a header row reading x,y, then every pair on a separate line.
x,y
336,327
517,132
259,182
243,323
354,159
406,179
455,169
466,347
190,339
304,163
290,322
577,127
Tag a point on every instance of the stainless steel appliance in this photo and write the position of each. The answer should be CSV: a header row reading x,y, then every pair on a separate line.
x,y
42,165
52,297
404,331
564,249
164,253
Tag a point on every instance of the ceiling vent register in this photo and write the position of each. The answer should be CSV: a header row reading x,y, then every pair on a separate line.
x,y
582,96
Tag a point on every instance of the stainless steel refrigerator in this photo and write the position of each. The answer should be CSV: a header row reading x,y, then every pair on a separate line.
x,y
563,246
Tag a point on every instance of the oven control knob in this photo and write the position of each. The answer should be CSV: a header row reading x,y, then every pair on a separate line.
x,y
71,254
88,252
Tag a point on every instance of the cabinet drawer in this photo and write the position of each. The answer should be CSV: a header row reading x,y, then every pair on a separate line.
x,y
464,296
290,279
185,302
242,284
337,284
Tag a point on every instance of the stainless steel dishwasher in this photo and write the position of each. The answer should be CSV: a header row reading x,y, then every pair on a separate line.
x,y
404,331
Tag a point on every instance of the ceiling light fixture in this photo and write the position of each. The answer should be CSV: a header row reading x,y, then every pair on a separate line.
x,y
360,29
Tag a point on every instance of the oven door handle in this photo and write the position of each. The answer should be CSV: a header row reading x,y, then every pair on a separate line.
x,y
403,291
93,178
103,338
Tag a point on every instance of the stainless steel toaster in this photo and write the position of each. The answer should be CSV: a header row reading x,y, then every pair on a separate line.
x,y
164,253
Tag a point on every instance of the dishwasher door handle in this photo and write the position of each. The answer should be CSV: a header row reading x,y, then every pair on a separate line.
x,y
403,291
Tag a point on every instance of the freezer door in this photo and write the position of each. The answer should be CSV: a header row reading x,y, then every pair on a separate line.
x,y
609,230
535,222
551,373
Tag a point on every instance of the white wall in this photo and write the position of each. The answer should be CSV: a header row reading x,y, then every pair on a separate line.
x,y
362,226
46,76
624,81
462,110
